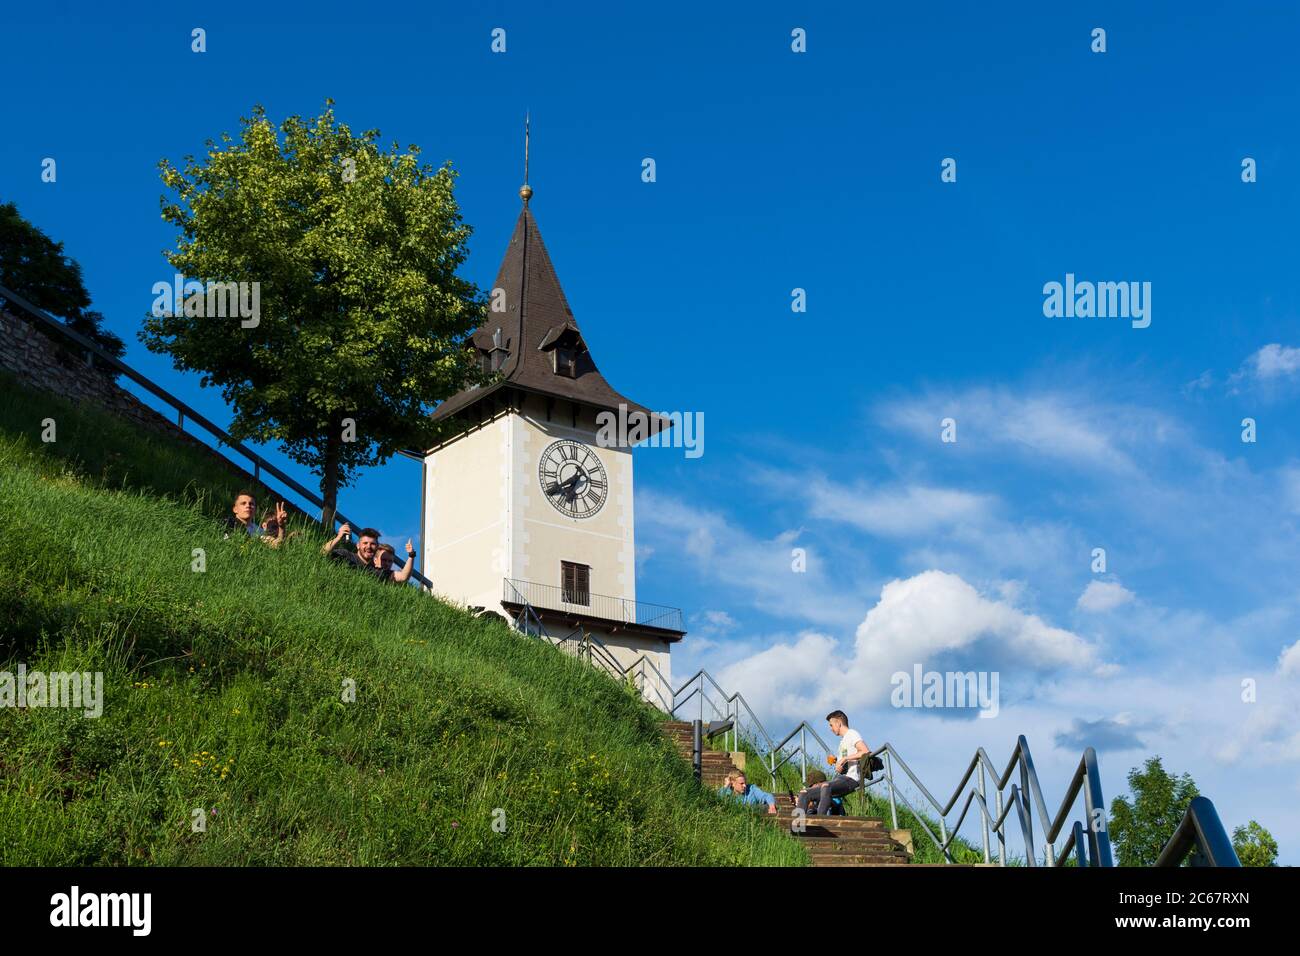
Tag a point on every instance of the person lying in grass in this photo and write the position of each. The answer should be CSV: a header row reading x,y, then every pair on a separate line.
x,y
385,559
241,519
738,787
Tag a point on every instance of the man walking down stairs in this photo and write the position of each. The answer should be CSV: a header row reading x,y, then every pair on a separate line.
x,y
830,841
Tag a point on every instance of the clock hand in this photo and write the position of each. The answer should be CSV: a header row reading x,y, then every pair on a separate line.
x,y
563,485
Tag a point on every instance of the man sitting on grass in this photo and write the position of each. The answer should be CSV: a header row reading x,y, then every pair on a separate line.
x,y
745,792
241,519
367,548
848,775
385,558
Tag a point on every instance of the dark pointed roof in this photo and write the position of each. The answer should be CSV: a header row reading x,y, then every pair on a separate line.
x,y
537,317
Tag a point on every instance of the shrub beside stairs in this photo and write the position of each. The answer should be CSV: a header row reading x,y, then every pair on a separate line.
x,y
830,841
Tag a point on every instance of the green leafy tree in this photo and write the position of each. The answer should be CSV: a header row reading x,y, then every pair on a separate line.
x,y
1255,846
1140,830
34,266
362,319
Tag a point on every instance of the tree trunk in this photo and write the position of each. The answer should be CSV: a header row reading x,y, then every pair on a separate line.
x,y
329,482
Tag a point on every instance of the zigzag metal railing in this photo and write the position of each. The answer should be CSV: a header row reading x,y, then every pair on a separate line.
x,y
1201,833
44,320
1088,840
1086,778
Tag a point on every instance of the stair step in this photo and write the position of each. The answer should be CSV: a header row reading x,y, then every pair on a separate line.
x,y
835,824
855,851
832,841
855,863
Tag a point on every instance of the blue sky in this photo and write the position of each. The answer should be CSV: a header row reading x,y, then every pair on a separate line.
x,y
822,171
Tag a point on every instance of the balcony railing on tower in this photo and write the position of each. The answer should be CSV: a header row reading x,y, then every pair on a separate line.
x,y
602,606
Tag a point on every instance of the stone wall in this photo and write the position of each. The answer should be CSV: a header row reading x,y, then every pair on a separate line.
x,y
35,359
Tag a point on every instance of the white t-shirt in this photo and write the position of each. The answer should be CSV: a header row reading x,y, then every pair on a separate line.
x,y
849,748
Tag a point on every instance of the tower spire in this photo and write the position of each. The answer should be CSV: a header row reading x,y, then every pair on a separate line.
x,y
525,191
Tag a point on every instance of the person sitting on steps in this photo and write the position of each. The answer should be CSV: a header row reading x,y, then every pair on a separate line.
x,y
817,778
848,775
736,786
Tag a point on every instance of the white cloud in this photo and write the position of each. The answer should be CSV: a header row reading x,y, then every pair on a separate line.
x,y
1066,427
1288,664
934,612
761,569
1274,361
899,511
923,619
712,623
1201,383
789,679
895,510
1101,596
1268,369
1289,479
1012,592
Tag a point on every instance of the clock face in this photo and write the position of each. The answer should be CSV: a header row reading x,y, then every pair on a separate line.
x,y
572,478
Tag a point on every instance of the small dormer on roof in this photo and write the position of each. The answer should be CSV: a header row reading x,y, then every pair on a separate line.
x,y
569,356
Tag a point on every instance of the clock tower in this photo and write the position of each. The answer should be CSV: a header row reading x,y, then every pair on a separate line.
x,y
525,510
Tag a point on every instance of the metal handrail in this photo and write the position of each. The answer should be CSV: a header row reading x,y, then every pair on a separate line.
x,y
605,606
1087,773
1202,830
184,411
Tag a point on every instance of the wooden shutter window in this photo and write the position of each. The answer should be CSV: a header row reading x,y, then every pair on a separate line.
x,y
575,582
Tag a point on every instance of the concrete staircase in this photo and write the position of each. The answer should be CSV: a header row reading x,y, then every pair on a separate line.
x,y
830,841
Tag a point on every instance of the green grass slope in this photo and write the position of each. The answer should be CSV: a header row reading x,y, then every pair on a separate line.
x,y
223,691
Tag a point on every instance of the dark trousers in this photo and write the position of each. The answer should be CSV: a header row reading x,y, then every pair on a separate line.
x,y
826,792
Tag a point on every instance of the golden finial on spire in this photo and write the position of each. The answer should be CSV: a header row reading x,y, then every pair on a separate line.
x,y
525,191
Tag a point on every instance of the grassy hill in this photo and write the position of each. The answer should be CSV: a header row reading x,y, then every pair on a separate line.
x,y
223,691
